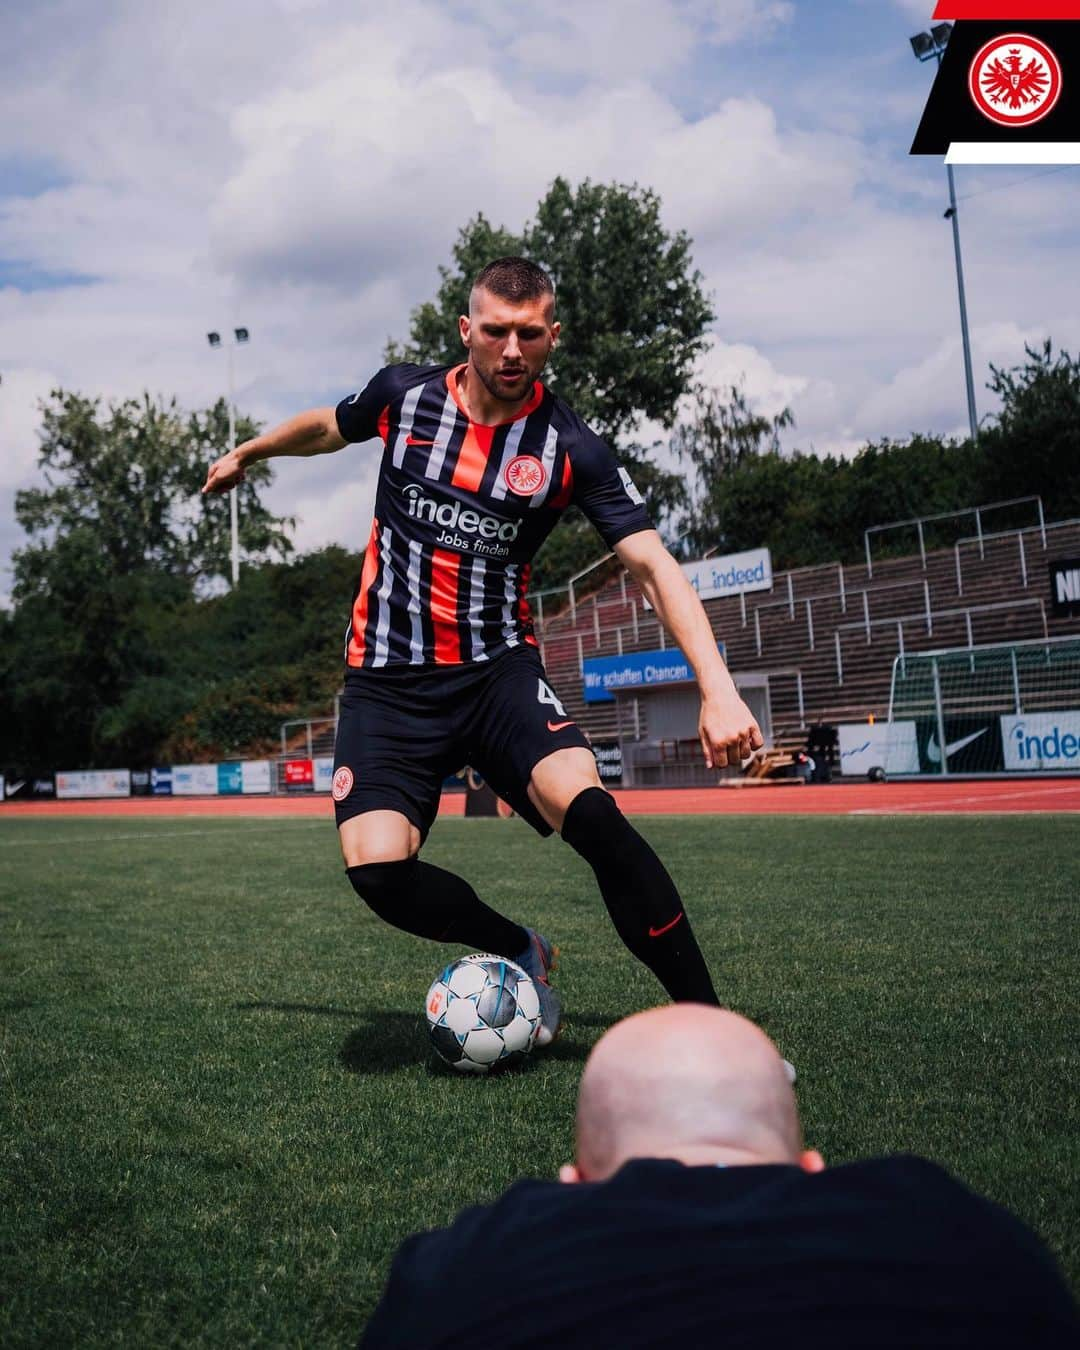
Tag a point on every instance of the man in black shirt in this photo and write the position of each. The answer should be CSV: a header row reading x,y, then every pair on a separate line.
x,y
694,1217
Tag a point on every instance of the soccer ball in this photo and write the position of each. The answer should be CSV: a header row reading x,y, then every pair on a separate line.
x,y
483,1013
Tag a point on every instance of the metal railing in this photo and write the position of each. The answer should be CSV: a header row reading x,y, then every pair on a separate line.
x,y
928,619
981,540
920,521
324,738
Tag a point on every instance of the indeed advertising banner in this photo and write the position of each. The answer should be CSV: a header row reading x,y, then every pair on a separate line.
x,y
890,746
324,772
94,783
1042,741
195,780
601,675
736,574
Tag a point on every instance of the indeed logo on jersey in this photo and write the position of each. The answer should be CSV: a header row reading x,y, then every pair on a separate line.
x,y
1042,741
463,529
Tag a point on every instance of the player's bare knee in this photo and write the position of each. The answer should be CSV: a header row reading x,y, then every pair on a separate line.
x,y
378,837
559,780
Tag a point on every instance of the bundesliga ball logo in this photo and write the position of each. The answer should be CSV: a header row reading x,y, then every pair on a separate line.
x,y
1015,80
525,475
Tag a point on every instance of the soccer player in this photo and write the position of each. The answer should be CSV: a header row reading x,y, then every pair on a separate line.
x,y
479,460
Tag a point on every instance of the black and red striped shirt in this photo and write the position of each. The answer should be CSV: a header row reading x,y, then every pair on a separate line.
x,y
461,510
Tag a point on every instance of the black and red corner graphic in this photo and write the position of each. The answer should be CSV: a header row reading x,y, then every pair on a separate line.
x,y
1009,75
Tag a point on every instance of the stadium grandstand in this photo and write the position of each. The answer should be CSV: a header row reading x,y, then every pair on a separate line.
x,y
815,648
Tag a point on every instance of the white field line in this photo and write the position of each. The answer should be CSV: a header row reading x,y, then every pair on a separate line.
x,y
981,797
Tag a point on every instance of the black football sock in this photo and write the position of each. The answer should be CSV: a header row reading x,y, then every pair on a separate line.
x,y
431,903
640,896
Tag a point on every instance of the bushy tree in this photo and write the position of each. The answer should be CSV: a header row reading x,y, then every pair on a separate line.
x,y
119,538
634,319
1033,447
128,477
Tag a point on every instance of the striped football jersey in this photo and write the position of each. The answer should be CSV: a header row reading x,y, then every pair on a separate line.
x,y
460,511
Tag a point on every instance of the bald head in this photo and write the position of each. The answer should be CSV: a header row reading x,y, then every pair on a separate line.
x,y
697,1084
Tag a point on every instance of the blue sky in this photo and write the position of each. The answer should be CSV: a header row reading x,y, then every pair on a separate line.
x,y
302,167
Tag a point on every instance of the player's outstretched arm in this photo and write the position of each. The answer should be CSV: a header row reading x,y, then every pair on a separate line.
x,y
314,432
728,731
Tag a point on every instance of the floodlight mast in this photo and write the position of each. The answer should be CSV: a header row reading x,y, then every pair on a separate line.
x,y
927,47
240,335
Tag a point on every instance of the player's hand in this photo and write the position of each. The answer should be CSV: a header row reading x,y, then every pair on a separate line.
x,y
225,474
729,734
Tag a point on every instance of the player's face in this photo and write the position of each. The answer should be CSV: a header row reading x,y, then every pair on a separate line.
x,y
508,342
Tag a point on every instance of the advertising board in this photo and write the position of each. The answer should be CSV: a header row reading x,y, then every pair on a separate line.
x,y
889,746
299,775
603,676
1040,741
94,783
255,776
195,780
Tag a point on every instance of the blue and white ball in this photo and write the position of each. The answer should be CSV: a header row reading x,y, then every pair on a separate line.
x,y
483,1013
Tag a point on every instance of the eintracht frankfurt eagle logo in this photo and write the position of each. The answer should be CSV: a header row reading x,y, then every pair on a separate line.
x,y
1015,80
525,475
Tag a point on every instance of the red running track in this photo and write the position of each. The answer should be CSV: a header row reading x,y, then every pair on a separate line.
x,y
1008,796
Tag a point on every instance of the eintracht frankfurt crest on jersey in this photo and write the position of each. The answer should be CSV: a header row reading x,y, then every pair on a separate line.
x,y
1015,80
525,475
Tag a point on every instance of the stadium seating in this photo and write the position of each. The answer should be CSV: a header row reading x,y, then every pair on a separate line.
x,y
840,626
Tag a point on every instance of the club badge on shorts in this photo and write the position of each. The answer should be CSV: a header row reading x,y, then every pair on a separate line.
x,y
525,475
343,782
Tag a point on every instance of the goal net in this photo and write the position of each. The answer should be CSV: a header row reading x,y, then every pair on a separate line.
x,y
1010,708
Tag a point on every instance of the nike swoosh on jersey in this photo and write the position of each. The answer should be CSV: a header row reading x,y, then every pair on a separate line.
x,y
558,726
412,440
656,932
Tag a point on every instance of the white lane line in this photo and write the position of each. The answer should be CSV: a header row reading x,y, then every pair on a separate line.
x,y
148,834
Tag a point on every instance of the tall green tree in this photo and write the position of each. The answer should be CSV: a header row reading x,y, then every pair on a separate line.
x,y
119,540
722,434
632,306
1034,444
806,509
634,319
128,477
434,338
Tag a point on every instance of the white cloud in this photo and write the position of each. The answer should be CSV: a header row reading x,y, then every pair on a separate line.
x,y
932,392
303,166
20,394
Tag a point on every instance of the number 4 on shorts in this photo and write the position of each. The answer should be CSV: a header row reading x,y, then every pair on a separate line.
x,y
545,694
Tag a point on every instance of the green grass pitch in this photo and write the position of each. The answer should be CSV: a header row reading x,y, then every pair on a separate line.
x,y
218,1114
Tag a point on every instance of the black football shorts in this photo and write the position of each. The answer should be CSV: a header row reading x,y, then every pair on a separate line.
x,y
402,730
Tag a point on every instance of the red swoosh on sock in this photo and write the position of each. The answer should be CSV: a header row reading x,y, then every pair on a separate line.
x,y
656,932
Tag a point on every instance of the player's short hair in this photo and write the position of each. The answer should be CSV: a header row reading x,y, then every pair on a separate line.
x,y
514,279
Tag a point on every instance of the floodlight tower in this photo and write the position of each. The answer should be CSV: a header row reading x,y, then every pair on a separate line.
x,y
929,47
240,335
